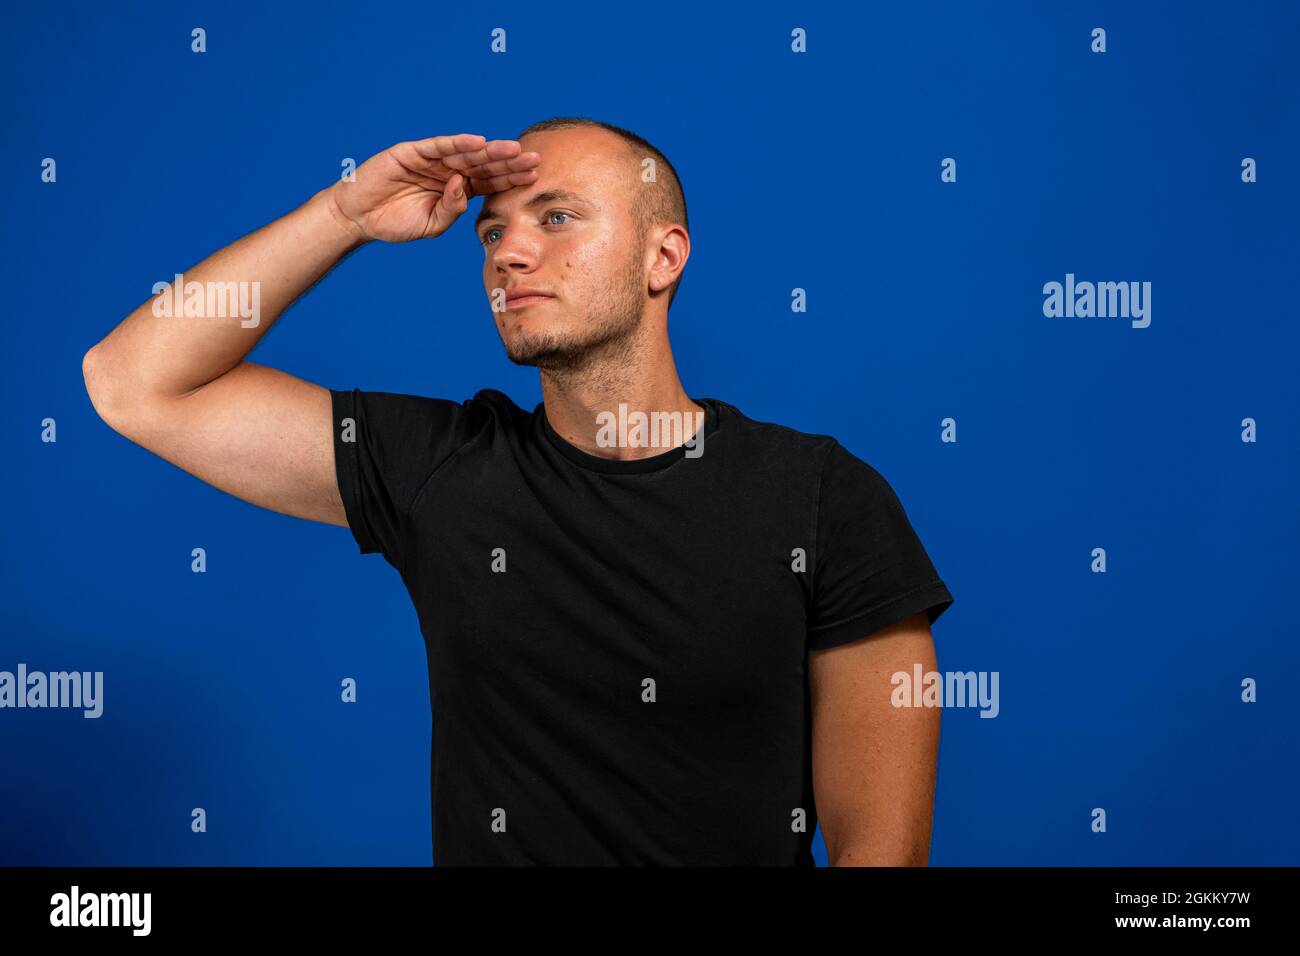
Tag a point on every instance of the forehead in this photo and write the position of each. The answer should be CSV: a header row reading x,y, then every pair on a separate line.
x,y
592,163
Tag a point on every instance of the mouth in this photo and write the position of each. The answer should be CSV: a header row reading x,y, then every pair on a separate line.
x,y
519,301
521,295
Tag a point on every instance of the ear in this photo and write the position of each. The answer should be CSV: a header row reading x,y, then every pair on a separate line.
x,y
672,247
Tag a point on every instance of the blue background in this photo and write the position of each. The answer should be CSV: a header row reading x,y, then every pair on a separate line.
x,y
819,171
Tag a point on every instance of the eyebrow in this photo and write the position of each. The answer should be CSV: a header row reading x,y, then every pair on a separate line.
x,y
551,195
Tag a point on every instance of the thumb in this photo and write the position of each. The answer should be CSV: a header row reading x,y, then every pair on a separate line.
x,y
458,188
455,198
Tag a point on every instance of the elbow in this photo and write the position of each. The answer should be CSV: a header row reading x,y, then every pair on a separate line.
x,y
100,388
90,374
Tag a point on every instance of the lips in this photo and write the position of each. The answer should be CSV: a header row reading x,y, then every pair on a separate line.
x,y
521,297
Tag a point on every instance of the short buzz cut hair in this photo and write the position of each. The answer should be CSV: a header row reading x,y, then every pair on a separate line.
x,y
663,201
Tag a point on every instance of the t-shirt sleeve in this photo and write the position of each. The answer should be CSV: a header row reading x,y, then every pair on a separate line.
x,y
870,569
386,446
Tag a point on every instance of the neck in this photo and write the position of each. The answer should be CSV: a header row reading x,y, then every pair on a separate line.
x,y
642,377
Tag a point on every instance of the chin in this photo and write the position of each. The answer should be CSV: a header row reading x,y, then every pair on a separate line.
x,y
546,352
528,350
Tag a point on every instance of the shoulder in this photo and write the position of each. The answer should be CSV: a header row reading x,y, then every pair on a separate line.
x,y
780,442
839,477
409,414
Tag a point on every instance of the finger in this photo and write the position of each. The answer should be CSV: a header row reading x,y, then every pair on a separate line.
x,y
496,184
440,147
494,159
516,164
462,151
491,151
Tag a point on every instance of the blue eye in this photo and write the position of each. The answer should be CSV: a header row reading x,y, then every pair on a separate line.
x,y
554,212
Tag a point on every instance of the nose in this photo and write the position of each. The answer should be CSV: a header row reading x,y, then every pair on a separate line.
x,y
513,252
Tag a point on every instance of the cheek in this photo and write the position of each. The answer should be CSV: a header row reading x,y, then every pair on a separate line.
x,y
585,259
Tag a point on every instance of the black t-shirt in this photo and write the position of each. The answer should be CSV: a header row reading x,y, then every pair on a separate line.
x,y
617,648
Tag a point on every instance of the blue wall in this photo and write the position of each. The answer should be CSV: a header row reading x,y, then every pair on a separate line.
x,y
819,171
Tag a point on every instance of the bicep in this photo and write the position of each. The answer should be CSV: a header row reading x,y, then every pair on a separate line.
x,y
873,763
255,432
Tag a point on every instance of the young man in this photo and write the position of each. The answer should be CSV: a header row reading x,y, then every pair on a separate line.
x,y
658,632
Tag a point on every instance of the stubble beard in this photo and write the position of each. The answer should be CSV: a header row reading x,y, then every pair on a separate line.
x,y
608,337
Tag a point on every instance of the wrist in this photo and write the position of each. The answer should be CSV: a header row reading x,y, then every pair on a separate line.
x,y
347,231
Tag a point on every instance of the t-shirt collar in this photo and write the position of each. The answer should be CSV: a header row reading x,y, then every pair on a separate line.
x,y
625,466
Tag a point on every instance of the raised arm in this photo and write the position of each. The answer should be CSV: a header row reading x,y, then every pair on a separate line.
x,y
179,384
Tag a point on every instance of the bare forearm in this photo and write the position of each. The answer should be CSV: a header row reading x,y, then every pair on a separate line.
x,y
151,355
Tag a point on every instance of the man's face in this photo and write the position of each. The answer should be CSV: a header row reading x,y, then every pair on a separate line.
x,y
579,247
